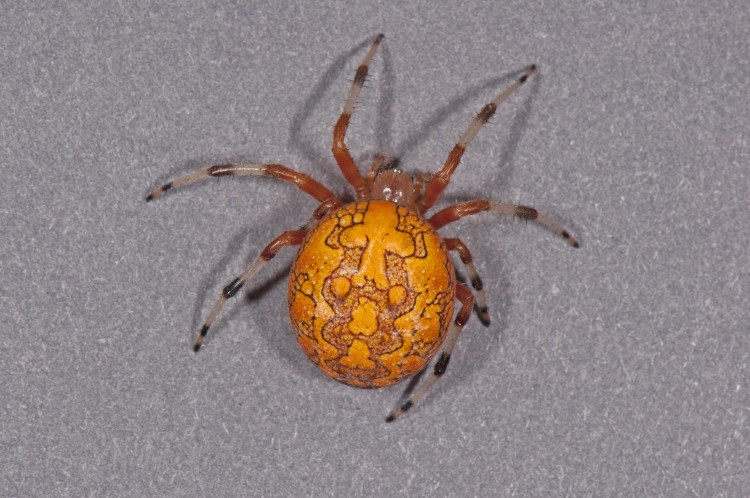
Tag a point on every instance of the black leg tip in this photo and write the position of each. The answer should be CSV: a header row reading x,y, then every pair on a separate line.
x,y
570,239
159,191
483,314
199,342
400,411
530,70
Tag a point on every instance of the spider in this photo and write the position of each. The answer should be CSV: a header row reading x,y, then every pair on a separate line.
x,y
372,289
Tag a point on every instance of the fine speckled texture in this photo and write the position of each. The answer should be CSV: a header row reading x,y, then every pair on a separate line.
x,y
620,368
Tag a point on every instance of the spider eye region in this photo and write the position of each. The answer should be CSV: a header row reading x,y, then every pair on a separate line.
x,y
395,186
371,293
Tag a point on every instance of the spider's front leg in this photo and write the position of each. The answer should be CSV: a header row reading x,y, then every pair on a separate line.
x,y
340,151
440,180
278,171
288,238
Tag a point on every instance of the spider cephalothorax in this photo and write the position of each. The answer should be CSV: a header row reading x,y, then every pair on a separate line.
x,y
388,182
372,289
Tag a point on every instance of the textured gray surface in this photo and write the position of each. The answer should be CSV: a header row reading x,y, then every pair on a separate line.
x,y
617,369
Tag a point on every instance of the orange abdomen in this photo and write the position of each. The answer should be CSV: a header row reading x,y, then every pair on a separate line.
x,y
371,294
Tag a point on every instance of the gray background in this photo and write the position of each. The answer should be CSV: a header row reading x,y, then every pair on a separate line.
x,y
620,368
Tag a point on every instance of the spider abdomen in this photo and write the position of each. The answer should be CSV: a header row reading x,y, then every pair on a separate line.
x,y
371,294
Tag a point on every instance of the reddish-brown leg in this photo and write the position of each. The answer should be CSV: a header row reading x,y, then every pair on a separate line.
x,y
466,299
301,180
453,213
289,238
476,281
340,151
440,180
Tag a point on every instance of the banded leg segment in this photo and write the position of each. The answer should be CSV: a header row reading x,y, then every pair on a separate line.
x,y
476,281
467,302
454,213
278,171
340,151
288,238
440,180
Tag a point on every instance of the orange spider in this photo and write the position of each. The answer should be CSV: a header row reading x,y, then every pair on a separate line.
x,y
372,288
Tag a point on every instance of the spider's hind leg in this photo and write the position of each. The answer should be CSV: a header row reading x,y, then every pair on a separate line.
x,y
288,238
467,302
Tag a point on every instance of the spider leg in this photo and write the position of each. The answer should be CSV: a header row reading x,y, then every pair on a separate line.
x,y
458,211
467,302
476,281
278,171
340,151
440,180
288,238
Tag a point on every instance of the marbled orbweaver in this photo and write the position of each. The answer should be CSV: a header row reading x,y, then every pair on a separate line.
x,y
372,289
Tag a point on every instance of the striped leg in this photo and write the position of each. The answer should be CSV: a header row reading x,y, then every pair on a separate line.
x,y
441,179
476,282
288,238
301,180
453,213
340,151
467,302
